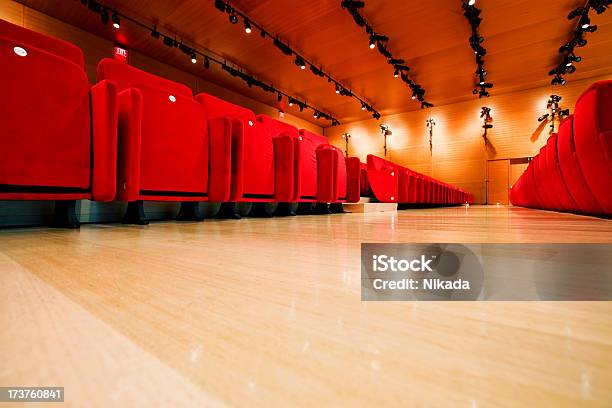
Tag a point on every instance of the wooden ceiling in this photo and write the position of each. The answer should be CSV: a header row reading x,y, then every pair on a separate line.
x,y
522,39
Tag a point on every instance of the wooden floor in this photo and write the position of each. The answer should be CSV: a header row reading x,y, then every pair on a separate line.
x,y
267,312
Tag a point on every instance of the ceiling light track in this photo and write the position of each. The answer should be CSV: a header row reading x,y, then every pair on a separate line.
x,y
301,61
568,56
472,14
379,42
208,57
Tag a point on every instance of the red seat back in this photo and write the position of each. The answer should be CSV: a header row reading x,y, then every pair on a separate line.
x,y
44,113
174,133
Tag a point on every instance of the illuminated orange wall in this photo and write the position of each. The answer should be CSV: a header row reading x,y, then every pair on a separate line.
x,y
458,155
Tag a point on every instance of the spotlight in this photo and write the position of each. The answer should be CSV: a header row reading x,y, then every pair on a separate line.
x,y
352,4
300,62
233,18
317,115
585,22
372,43
575,13
247,26
206,63
169,42
279,97
337,89
155,33
291,101
471,2
220,5
116,21
363,106
396,73
193,59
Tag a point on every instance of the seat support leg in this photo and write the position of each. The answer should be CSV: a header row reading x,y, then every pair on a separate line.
x,y
190,211
64,215
134,214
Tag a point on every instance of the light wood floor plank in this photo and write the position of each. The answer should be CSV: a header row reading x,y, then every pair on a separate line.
x,y
268,312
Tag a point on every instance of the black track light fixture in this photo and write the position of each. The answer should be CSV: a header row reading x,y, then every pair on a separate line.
x,y
116,21
300,62
472,14
107,14
247,26
377,41
583,26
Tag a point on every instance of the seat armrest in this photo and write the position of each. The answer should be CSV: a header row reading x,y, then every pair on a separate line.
x,y
353,179
104,119
220,158
325,175
129,137
284,168
297,169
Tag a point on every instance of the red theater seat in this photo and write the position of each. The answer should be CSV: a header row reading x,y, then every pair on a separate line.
x,y
383,177
267,154
317,167
167,148
593,140
57,134
555,179
571,172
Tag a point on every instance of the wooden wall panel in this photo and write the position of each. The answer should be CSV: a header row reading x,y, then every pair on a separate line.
x,y
498,175
459,156
12,12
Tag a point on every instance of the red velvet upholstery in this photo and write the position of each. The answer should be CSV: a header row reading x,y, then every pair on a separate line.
x,y
383,176
267,171
51,148
573,171
354,179
284,130
165,140
309,168
593,140
555,178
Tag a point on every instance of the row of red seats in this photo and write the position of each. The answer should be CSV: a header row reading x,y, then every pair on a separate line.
x,y
573,171
134,136
388,182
